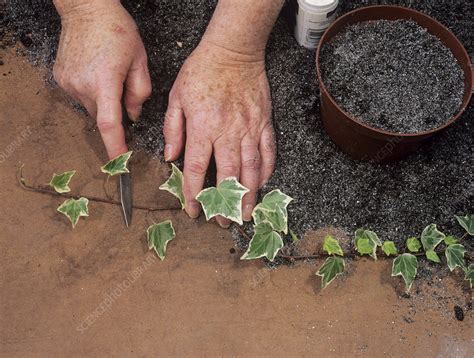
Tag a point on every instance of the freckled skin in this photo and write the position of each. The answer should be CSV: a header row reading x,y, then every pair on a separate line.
x,y
100,53
220,103
225,108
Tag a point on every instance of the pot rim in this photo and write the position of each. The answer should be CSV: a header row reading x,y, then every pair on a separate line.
x,y
430,132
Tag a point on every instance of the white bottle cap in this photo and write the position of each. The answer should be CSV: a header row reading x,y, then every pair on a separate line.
x,y
318,5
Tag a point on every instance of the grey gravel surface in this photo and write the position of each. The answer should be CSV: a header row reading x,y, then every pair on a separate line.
x,y
329,187
393,75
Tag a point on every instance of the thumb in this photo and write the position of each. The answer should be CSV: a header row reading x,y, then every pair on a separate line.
x,y
173,129
137,88
109,122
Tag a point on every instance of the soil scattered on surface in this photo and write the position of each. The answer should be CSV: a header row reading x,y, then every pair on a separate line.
x,y
393,75
330,188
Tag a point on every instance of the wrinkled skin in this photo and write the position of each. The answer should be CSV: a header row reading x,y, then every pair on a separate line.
x,y
100,53
220,103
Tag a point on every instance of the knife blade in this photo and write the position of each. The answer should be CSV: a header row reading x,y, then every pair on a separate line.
x,y
126,197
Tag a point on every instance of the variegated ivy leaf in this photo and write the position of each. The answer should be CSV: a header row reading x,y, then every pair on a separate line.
x,y
118,165
60,182
276,198
331,246
159,235
470,274
432,256
366,242
278,218
365,247
431,237
174,185
74,209
467,222
224,200
265,242
273,209
405,265
455,256
450,240
413,244
389,248
332,267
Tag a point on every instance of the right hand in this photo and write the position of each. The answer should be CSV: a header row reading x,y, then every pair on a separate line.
x,y
101,55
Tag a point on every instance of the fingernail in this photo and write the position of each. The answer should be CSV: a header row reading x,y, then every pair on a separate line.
x,y
248,212
168,152
135,115
225,225
193,209
223,222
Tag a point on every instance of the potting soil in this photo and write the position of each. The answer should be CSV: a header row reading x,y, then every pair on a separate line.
x,y
393,75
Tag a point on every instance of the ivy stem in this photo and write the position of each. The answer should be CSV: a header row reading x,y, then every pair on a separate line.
x,y
47,191
295,257
325,255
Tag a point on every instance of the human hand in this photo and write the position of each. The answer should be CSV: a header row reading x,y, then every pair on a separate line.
x,y
220,103
101,55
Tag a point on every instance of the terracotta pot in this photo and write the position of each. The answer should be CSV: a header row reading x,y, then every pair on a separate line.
x,y
360,140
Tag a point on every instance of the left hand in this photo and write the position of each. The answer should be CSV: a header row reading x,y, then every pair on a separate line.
x,y
220,103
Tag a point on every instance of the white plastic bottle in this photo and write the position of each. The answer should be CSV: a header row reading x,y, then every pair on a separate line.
x,y
313,17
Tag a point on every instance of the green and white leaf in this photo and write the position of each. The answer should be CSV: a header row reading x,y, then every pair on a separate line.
x,y
332,267
224,200
278,218
118,165
174,185
265,242
365,239
365,247
331,246
273,209
60,182
74,209
276,198
432,256
455,256
405,265
158,236
413,244
431,237
467,222
389,248
450,240
470,274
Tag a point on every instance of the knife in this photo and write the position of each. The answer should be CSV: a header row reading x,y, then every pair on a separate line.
x,y
126,178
